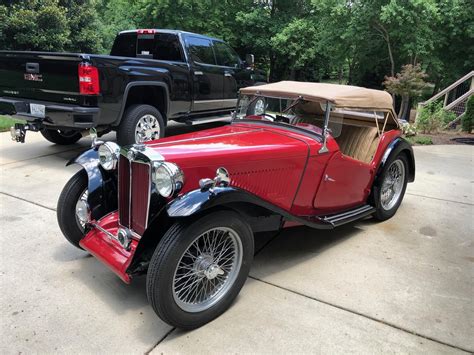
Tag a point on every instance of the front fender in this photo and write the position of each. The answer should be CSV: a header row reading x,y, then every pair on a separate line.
x,y
102,185
198,200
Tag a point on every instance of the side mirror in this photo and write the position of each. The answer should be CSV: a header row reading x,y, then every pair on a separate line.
x,y
250,60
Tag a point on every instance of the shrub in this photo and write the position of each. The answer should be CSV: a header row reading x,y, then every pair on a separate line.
x,y
433,117
468,118
420,140
409,130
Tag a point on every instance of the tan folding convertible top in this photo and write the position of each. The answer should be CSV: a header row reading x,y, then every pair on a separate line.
x,y
339,95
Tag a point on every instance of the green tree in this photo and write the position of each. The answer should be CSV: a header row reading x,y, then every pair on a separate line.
x,y
50,25
408,83
453,54
84,26
468,118
35,25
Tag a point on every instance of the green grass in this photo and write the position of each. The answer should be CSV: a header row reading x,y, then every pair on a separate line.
x,y
6,122
420,140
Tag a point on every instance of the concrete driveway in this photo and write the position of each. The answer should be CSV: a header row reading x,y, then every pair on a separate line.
x,y
402,286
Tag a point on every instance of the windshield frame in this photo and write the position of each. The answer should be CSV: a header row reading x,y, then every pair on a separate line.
x,y
287,126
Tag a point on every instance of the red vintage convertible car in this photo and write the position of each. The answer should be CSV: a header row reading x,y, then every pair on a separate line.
x,y
184,209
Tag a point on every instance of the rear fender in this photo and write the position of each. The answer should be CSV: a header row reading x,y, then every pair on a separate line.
x,y
102,186
397,146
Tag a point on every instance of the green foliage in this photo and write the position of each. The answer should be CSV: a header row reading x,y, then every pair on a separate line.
x,y
420,140
50,25
6,122
355,42
468,118
433,117
35,25
409,129
407,84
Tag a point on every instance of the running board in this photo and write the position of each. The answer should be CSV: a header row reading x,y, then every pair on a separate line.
x,y
349,216
196,121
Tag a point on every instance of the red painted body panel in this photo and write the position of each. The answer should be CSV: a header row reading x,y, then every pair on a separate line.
x,y
357,176
345,187
107,250
265,161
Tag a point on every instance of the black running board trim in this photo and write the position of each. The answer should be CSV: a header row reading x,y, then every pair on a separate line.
x,y
349,216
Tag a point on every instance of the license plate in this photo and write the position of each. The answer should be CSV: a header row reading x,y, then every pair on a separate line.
x,y
37,110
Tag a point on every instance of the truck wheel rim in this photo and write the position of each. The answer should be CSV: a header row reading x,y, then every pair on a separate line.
x,y
207,269
392,185
147,129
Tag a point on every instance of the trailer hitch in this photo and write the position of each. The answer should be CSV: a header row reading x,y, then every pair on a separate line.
x,y
18,131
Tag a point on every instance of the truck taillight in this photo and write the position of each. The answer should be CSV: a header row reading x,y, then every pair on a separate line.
x,y
146,31
88,79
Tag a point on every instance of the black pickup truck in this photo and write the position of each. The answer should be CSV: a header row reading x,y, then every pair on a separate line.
x,y
150,77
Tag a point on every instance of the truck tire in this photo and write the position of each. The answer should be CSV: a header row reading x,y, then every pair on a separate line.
x,y
61,137
140,123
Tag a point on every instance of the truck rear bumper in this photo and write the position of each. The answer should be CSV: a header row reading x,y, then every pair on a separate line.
x,y
56,115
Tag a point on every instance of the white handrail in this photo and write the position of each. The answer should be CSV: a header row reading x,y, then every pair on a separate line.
x,y
449,88
459,99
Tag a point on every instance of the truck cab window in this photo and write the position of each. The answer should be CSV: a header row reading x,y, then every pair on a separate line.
x,y
145,44
125,45
167,47
200,50
225,55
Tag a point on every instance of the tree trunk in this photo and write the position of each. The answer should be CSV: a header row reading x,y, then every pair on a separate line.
x,y
384,33
292,74
404,107
436,85
351,70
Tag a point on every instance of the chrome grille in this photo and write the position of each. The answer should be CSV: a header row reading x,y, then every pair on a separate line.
x,y
134,194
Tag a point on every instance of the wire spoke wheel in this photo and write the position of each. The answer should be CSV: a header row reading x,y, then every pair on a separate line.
x,y
79,206
147,128
393,184
207,269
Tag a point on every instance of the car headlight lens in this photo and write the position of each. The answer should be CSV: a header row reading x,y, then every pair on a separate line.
x,y
109,153
168,178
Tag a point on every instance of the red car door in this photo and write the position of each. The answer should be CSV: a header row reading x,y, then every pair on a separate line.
x,y
344,184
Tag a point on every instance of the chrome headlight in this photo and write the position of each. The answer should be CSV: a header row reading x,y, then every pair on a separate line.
x,y
168,178
109,153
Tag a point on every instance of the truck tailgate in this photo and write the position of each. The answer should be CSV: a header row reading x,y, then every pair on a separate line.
x,y
40,76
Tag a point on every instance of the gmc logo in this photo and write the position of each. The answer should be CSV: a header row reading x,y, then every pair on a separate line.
x,y
33,77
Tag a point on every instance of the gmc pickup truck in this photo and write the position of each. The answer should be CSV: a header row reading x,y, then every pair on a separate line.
x,y
150,77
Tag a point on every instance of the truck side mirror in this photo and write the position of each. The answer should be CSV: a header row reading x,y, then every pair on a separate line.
x,y
250,60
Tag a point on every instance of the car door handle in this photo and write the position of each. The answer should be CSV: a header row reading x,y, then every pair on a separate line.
x,y
328,178
198,73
